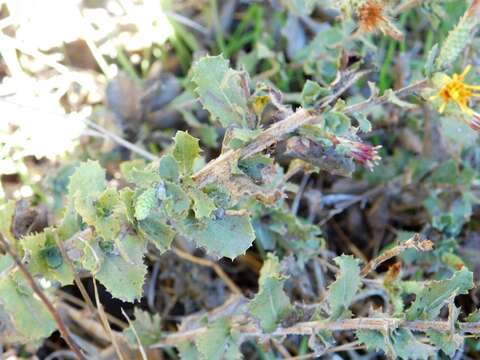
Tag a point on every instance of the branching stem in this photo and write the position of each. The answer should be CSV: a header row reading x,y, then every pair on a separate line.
x,y
312,327
414,242
280,130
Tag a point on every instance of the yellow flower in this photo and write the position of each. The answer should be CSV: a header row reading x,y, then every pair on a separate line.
x,y
456,90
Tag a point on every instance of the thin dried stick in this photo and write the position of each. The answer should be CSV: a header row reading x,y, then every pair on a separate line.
x,y
205,262
88,324
409,4
121,141
108,134
270,136
140,346
104,321
70,298
31,281
414,242
77,279
374,101
281,349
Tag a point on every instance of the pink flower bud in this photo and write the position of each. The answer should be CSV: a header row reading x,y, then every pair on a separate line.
x,y
363,153
475,122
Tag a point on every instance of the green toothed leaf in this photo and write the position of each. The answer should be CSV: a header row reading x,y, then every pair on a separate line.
x,y
408,347
217,343
220,90
107,220
122,277
372,339
168,168
147,327
346,285
271,304
45,257
203,205
155,230
177,202
145,203
429,301
229,236
25,310
186,150
188,351
86,184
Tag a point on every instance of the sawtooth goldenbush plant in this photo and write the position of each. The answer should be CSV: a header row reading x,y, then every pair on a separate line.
x,y
241,200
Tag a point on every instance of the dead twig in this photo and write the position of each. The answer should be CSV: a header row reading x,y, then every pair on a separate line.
x,y
77,279
78,302
409,4
92,125
105,323
139,342
414,242
378,100
299,194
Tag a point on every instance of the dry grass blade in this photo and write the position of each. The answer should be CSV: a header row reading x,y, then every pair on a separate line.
x,y
139,342
105,322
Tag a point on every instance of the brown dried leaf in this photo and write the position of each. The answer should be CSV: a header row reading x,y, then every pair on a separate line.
x,y
28,220
316,154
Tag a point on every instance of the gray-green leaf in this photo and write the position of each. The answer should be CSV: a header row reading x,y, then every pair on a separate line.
x,y
145,203
124,279
220,90
168,168
346,285
154,229
228,236
147,327
216,343
432,297
26,311
372,339
186,150
271,304
203,205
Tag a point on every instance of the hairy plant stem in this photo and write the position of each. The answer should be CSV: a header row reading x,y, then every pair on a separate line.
x,y
311,327
282,129
414,242
378,100
48,304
